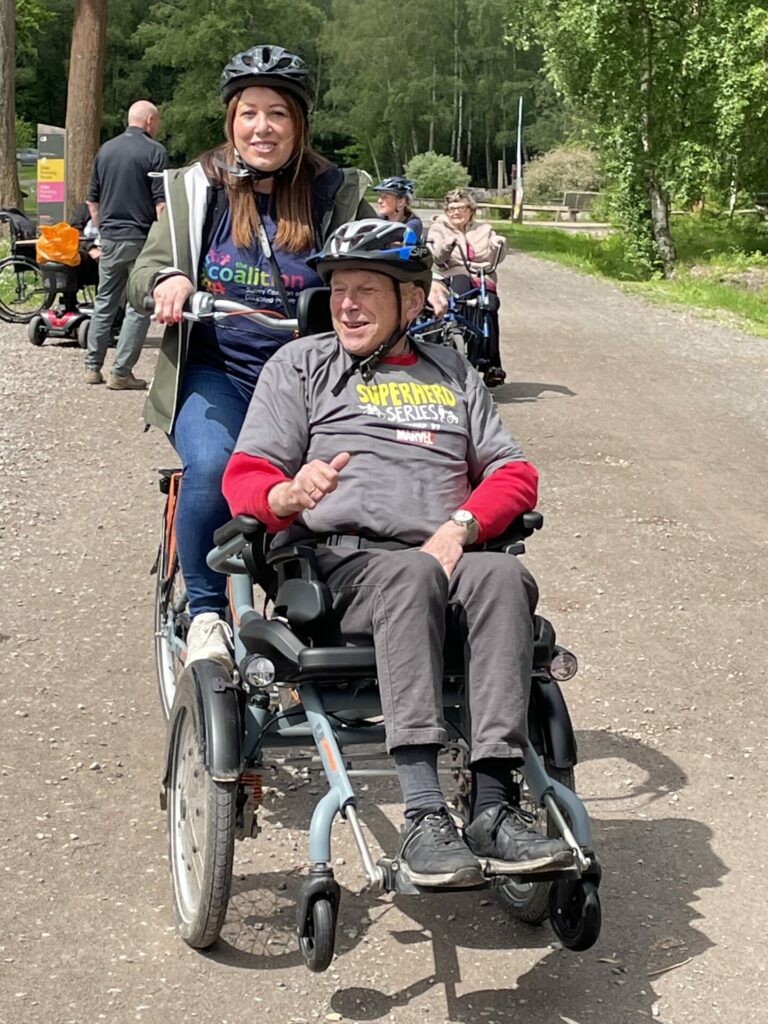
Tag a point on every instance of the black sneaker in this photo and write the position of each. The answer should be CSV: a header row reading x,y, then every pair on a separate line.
x,y
503,836
494,376
434,853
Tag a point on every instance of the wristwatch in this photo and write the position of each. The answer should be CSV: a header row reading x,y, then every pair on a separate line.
x,y
464,517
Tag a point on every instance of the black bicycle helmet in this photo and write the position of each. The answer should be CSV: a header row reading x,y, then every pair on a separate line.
x,y
270,66
383,246
402,187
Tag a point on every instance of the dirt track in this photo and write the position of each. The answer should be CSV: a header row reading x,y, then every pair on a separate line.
x,y
650,429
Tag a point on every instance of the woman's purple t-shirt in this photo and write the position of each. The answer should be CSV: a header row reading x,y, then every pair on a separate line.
x,y
237,344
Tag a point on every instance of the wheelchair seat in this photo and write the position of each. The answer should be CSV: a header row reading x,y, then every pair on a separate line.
x,y
304,640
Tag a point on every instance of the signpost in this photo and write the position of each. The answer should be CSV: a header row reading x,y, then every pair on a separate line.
x,y
51,174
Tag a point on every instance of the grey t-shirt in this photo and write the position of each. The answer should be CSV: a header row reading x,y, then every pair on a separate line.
x,y
421,436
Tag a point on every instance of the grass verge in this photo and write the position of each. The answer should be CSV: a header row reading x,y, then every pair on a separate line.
x,y
722,265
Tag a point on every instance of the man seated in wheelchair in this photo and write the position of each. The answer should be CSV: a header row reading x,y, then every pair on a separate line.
x,y
391,458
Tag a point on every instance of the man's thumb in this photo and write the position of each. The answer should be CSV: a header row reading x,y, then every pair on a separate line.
x,y
339,461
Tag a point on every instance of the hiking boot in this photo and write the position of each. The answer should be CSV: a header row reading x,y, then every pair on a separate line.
x,y
210,638
126,382
434,853
94,377
504,837
494,376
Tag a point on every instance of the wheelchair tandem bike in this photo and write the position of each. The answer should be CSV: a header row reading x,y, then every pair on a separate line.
x,y
299,683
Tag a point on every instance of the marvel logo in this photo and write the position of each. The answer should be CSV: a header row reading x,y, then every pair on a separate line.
x,y
416,436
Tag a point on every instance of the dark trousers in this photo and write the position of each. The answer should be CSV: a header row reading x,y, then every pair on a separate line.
x,y
402,598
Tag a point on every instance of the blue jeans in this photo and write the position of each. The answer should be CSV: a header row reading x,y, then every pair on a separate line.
x,y
212,407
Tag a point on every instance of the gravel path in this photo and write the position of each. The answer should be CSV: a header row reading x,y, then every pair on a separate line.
x,y
649,427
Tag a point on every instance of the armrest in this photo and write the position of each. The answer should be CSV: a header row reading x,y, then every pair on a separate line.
x,y
522,526
245,526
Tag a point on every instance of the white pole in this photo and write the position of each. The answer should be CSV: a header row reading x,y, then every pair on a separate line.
x,y
518,211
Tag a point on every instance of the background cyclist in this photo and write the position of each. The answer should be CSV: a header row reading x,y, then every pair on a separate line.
x,y
395,195
455,239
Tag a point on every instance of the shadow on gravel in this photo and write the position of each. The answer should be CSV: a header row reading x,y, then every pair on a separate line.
x,y
527,391
653,868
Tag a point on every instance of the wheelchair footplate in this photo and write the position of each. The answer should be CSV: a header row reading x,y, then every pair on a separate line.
x,y
395,877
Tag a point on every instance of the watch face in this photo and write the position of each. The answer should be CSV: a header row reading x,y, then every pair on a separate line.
x,y
463,516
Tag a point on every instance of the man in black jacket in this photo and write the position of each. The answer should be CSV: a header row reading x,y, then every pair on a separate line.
x,y
123,201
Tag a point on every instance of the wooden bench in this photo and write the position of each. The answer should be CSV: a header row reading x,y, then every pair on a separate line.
x,y
578,202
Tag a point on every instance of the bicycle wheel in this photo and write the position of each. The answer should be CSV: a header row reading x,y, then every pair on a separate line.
x,y
171,614
529,901
22,290
201,829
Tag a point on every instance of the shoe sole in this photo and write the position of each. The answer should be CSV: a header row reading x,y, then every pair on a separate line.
x,y
225,662
528,867
464,878
126,387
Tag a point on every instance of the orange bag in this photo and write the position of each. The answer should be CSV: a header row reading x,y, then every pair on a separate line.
x,y
58,244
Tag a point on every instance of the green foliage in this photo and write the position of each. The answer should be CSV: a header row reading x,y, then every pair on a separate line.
x,y
713,253
675,96
26,134
560,170
434,174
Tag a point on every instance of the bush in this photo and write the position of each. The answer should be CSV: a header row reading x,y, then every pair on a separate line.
x,y
26,134
567,169
435,174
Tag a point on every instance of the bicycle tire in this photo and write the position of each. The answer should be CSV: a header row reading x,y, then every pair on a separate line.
x,y
23,294
202,817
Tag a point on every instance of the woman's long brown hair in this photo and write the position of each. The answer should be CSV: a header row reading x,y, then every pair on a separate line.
x,y
291,192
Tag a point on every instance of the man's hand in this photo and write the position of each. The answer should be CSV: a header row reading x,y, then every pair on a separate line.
x,y
447,545
438,298
170,296
308,487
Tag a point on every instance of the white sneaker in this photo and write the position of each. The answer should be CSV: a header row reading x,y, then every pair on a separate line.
x,y
209,637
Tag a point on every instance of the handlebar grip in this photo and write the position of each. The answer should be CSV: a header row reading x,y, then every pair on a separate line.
x,y
148,304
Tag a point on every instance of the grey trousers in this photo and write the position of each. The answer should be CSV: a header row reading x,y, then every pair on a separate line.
x,y
115,265
402,598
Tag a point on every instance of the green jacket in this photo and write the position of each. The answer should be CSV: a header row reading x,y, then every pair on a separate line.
x,y
175,242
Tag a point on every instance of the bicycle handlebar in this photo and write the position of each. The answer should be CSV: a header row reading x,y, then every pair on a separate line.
x,y
204,306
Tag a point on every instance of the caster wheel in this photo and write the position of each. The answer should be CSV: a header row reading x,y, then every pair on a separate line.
x,y
82,333
36,330
318,941
574,913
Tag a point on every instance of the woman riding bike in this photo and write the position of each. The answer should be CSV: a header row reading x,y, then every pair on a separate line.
x,y
458,242
241,223
393,203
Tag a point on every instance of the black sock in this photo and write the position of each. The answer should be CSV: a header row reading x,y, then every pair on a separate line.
x,y
492,783
417,771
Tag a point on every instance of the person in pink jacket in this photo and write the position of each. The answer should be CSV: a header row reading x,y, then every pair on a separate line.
x,y
458,241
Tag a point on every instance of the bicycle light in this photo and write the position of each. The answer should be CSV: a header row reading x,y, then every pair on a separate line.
x,y
259,672
563,666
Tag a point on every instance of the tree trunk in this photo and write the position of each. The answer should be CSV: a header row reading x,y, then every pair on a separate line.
x,y
84,91
10,192
460,129
658,200
431,143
